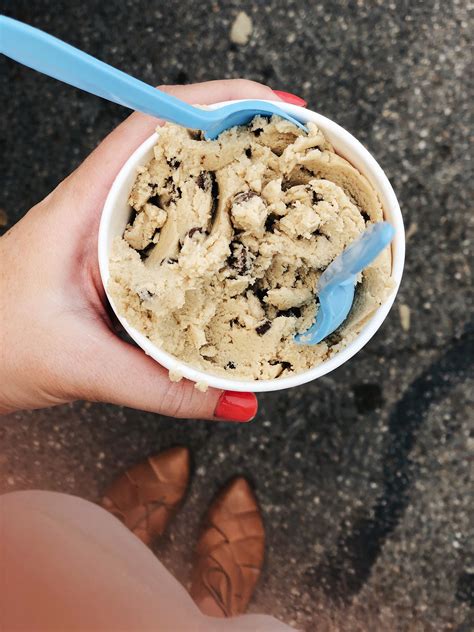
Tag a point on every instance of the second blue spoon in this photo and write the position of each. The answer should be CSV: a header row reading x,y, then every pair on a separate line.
x,y
336,285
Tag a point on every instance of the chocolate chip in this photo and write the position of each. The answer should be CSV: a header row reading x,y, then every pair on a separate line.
x,y
248,152
284,366
175,191
317,233
155,200
270,222
333,339
173,163
365,216
196,229
288,313
243,197
258,131
239,259
260,293
207,181
144,252
215,197
230,365
171,260
234,322
317,197
203,180
195,134
262,329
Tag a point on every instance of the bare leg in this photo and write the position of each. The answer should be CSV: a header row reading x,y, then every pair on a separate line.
x,y
66,564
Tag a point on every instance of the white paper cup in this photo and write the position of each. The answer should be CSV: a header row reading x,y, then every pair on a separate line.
x,y
116,214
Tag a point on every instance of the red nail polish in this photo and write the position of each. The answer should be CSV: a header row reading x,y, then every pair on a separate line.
x,y
234,406
290,98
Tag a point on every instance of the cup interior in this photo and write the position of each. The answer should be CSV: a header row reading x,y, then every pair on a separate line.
x,y
116,214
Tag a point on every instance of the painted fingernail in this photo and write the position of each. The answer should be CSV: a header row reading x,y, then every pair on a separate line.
x,y
290,98
234,406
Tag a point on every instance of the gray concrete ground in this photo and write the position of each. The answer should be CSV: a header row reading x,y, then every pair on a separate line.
x,y
365,476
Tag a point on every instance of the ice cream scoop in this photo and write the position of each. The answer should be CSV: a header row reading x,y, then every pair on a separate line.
x,y
336,286
53,57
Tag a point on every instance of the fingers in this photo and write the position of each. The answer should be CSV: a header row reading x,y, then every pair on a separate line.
x,y
123,374
222,90
117,147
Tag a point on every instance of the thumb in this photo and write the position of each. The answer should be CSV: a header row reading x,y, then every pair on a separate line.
x,y
137,381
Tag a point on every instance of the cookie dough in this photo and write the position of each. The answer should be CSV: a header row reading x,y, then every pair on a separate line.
x,y
227,239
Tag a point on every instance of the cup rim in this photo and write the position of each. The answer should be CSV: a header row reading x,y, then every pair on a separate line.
x,y
383,188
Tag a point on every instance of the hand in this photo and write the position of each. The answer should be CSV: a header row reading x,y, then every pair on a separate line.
x,y
57,339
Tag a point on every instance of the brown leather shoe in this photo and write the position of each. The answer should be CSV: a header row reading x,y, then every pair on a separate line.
x,y
146,496
230,552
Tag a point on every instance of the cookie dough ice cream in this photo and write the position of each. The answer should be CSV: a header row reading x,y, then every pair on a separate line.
x,y
219,263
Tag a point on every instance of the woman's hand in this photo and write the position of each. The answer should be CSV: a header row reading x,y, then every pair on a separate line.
x,y
57,340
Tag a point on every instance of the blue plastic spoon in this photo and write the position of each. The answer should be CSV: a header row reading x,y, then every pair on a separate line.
x,y
336,285
55,58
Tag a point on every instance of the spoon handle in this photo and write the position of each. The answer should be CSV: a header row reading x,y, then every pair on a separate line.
x,y
358,255
55,58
